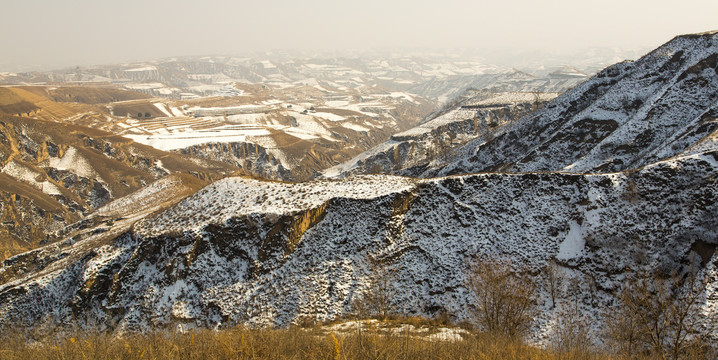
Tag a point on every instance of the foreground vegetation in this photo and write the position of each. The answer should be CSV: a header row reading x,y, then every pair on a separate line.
x,y
656,318
294,343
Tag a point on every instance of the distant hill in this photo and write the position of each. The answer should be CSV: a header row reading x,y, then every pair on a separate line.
x,y
55,173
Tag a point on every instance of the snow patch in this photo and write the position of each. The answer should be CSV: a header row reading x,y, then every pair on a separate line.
x,y
572,246
71,160
30,176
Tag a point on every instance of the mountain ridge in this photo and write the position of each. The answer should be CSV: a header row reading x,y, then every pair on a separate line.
x,y
265,253
257,253
605,121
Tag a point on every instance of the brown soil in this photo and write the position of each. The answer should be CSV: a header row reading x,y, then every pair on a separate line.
x,y
94,95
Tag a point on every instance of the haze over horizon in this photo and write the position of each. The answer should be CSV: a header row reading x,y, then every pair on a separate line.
x,y
44,35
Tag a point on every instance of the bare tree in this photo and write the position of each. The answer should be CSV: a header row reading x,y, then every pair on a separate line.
x,y
657,317
504,300
537,100
378,297
553,280
572,333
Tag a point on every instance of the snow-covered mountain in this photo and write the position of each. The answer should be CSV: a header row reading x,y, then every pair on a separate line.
x,y
267,253
627,116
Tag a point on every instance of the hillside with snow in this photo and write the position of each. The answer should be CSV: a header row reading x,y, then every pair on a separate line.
x,y
611,179
266,253
476,114
54,174
627,116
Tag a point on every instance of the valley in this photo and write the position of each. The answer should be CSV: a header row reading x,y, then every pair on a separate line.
x,y
220,192
286,119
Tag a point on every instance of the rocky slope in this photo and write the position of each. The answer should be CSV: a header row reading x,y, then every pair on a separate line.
x,y
628,115
269,253
54,173
475,114
639,140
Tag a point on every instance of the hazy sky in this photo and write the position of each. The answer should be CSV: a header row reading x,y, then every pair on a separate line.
x,y
50,33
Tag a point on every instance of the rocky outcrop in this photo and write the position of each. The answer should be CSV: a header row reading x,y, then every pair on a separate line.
x,y
252,157
267,253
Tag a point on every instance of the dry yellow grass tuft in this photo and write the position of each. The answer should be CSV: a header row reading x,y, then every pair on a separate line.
x,y
293,343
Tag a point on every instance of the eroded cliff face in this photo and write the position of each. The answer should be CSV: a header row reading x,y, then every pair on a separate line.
x,y
53,174
300,160
249,156
268,253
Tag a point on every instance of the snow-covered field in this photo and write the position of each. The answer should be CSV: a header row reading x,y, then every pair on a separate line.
x,y
184,139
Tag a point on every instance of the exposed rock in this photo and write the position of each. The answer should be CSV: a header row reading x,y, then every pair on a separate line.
x,y
627,116
268,253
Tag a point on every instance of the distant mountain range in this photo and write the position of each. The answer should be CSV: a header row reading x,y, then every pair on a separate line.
x,y
278,117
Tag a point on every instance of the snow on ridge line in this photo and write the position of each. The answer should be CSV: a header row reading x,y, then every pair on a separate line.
x,y
237,196
163,184
626,87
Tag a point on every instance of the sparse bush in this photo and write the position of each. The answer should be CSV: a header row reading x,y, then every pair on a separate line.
x,y
657,318
377,299
572,335
504,300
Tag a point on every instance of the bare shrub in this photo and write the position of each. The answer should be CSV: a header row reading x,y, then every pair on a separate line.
x,y
377,299
572,335
553,280
658,318
504,301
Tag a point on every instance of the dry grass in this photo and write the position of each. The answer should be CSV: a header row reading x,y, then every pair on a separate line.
x,y
294,343
11,103
94,94
50,110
